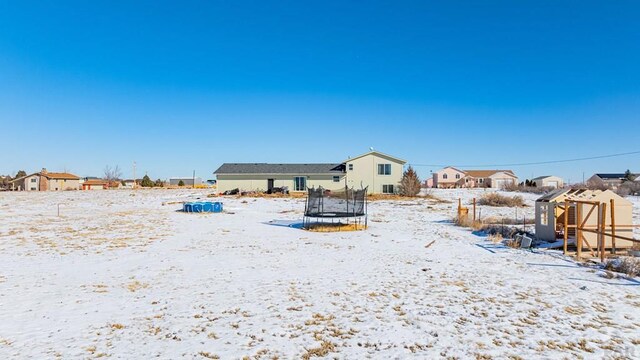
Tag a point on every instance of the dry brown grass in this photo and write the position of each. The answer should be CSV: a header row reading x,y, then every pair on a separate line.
x,y
625,265
321,351
497,200
466,221
327,227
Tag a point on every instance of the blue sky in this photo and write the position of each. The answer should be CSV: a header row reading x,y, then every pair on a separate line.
x,y
182,86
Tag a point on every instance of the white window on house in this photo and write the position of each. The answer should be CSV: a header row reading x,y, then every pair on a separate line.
x,y
33,180
387,189
445,176
336,179
384,169
480,181
457,176
350,167
544,214
299,183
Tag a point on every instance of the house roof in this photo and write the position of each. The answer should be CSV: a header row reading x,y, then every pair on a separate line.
x,y
64,176
611,176
582,194
378,153
95,182
50,175
486,173
265,168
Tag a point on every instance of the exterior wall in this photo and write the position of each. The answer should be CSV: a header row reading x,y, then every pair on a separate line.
x,y
259,182
31,183
93,187
63,184
451,181
623,217
365,173
499,180
545,231
186,181
549,182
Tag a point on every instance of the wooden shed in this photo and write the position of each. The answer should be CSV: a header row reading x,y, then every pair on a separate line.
x,y
583,204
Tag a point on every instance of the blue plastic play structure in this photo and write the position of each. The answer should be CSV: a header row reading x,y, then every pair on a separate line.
x,y
202,207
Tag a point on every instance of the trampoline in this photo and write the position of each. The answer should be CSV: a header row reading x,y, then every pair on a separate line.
x,y
336,208
202,207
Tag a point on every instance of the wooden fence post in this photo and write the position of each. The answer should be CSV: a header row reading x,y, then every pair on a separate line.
x,y
578,230
613,226
566,226
603,215
474,210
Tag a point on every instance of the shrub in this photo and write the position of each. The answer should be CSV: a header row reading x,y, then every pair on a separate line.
x,y
495,199
180,183
146,182
627,265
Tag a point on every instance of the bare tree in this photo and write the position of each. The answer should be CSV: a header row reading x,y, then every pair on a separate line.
x,y
112,174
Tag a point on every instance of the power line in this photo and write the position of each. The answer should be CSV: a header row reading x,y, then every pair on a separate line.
x,y
533,163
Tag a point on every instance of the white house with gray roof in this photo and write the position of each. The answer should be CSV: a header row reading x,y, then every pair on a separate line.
x,y
380,172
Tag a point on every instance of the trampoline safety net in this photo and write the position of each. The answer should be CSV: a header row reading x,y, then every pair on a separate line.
x,y
323,203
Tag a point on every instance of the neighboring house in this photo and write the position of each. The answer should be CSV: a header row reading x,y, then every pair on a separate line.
x,y
549,181
129,183
380,172
95,184
448,178
550,212
451,177
497,179
187,181
46,181
611,181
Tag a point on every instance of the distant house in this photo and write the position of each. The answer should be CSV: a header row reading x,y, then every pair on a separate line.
x,y
451,177
186,181
381,173
548,181
611,181
95,184
129,183
46,181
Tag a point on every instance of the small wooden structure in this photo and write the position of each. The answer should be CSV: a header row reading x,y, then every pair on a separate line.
x,y
593,219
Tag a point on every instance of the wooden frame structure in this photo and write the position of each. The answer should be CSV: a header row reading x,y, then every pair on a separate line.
x,y
598,209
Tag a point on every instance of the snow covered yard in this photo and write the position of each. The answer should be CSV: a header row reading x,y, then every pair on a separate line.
x,y
118,274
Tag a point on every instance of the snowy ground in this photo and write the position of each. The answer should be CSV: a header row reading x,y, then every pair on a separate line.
x,y
118,274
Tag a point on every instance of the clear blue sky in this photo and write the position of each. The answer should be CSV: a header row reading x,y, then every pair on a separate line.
x,y
178,86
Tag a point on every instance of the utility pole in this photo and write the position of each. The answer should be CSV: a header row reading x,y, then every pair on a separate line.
x,y
134,175
194,180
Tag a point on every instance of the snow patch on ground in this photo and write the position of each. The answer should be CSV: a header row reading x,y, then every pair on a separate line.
x,y
120,274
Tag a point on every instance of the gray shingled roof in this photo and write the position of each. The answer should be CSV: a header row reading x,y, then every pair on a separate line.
x,y
264,168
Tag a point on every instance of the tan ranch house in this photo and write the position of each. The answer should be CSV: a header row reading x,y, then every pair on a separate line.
x,y
380,172
450,178
46,181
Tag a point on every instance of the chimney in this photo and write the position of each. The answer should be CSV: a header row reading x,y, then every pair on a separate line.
x,y
44,171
